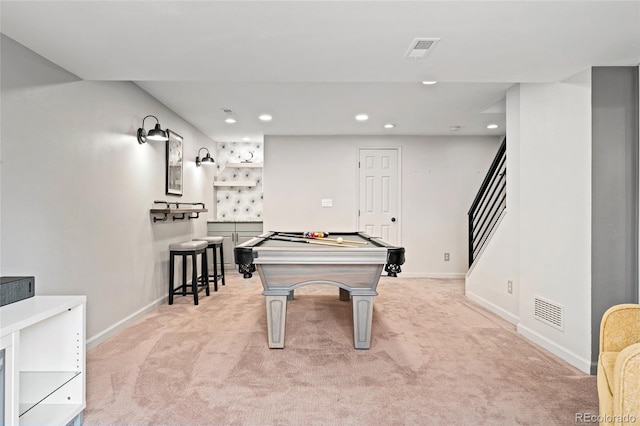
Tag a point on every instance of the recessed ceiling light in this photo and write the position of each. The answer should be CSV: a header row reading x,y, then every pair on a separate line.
x,y
230,120
246,139
389,126
492,126
454,128
265,117
429,82
362,117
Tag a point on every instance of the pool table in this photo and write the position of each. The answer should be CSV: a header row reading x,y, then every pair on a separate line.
x,y
285,261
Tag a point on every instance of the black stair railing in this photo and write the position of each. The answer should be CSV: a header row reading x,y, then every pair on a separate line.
x,y
488,204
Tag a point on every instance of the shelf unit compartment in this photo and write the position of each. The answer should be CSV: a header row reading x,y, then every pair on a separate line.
x,y
51,414
43,334
39,387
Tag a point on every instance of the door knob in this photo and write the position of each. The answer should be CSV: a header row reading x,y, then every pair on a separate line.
x,y
393,219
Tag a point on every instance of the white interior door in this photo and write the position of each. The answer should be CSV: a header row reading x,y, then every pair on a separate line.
x,y
378,212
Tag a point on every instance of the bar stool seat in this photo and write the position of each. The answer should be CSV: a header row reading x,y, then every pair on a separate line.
x,y
193,249
215,243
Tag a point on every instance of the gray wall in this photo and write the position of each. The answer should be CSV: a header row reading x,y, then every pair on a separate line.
x,y
77,189
614,249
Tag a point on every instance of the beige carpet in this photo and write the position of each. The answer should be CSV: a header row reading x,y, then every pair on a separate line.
x,y
435,358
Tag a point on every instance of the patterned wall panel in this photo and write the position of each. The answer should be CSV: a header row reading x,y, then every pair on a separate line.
x,y
236,203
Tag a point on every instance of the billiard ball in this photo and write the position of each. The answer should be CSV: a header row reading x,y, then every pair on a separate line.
x,y
339,240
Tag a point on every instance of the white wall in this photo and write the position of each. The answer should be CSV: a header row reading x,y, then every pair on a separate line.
x,y
77,188
554,130
486,282
440,177
555,213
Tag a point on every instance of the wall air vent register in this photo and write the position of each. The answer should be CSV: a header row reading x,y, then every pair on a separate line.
x,y
548,312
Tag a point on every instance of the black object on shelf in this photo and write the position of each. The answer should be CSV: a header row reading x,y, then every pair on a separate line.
x,y
14,289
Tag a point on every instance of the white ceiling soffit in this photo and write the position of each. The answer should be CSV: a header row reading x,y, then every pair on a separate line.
x,y
328,108
499,107
313,65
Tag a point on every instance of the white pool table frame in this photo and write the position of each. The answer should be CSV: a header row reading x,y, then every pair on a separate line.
x,y
356,271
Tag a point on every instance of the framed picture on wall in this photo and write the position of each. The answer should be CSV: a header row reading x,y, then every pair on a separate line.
x,y
174,163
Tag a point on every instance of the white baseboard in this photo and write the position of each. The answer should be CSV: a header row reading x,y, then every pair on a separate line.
x,y
573,359
455,275
503,313
561,352
94,341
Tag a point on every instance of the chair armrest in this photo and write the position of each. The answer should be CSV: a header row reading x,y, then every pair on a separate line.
x,y
626,379
620,327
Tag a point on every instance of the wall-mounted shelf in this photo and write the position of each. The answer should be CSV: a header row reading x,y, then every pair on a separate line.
x,y
244,165
177,212
230,183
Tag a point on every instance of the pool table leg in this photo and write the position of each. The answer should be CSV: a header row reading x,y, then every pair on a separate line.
x,y
362,315
276,318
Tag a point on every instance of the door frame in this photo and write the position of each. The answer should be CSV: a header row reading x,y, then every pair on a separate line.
x,y
398,149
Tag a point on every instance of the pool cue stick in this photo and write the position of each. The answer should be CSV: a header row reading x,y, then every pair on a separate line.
x,y
344,241
324,238
307,241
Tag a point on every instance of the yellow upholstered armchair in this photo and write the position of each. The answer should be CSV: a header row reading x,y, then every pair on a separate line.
x,y
619,366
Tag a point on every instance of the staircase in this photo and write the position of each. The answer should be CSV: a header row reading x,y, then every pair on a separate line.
x,y
488,204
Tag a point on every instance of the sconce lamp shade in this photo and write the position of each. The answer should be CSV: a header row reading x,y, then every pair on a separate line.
x,y
155,134
207,159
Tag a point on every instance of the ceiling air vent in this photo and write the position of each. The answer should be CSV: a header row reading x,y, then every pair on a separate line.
x,y
548,312
421,47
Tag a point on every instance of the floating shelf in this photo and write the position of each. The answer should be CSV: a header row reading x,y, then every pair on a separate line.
x,y
244,165
177,213
230,183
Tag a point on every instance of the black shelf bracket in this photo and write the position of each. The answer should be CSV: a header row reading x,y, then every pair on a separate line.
x,y
156,219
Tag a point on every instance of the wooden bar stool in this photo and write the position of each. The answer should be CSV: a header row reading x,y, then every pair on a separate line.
x,y
215,243
193,249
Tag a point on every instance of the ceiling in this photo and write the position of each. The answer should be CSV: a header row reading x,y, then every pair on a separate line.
x,y
314,65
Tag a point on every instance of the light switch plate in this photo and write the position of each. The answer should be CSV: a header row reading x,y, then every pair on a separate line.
x,y
327,202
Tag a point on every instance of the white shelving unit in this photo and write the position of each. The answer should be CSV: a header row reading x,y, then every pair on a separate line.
x,y
45,360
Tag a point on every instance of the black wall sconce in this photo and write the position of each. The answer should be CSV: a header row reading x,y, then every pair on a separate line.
x,y
206,160
155,134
